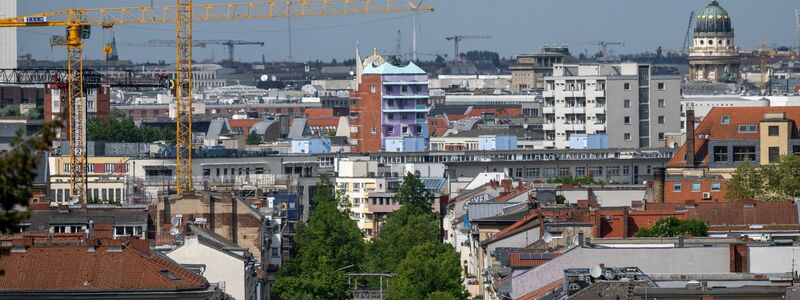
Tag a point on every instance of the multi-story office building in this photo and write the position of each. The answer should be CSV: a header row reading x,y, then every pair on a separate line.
x,y
390,102
531,68
634,104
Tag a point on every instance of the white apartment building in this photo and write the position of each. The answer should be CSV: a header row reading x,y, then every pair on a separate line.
x,y
635,105
357,179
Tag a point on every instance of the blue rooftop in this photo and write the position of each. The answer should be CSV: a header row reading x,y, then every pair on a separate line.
x,y
390,69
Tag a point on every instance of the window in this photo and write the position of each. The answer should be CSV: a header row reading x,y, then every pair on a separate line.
x,y
596,171
612,170
549,172
417,88
580,171
661,103
774,154
720,153
275,252
660,136
695,186
661,86
391,102
390,116
744,153
372,89
626,170
627,136
660,119
108,168
404,88
626,103
518,172
626,120
627,86
373,130
715,186
726,119
66,168
389,88
563,171
531,172
676,187
796,149
773,130
745,128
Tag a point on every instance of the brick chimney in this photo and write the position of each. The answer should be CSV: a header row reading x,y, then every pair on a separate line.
x,y
507,185
659,175
690,155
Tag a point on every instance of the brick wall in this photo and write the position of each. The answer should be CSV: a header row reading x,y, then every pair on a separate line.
x,y
686,192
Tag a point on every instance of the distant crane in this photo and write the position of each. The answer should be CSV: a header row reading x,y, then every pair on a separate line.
x,y
458,38
797,32
687,38
763,54
196,43
603,46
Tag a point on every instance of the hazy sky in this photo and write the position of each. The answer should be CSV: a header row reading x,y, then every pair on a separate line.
x,y
515,26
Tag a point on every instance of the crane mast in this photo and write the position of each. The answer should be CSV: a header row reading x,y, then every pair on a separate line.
x,y
183,14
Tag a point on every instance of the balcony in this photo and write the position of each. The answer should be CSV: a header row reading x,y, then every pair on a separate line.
x,y
599,127
598,94
548,144
599,110
548,110
575,127
575,110
548,126
547,94
406,108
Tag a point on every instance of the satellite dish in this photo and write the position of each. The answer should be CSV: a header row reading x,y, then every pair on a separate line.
x,y
264,77
274,78
547,237
596,271
76,199
352,73
174,231
610,274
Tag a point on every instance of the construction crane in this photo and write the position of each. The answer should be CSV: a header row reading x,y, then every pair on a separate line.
x,y
78,23
763,54
686,38
196,43
458,38
603,46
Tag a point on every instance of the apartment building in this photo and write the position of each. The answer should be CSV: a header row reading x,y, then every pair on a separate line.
x,y
390,102
634,104
357,180
726,138
530,69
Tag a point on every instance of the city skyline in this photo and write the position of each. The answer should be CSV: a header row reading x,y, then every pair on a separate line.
x,y
515,26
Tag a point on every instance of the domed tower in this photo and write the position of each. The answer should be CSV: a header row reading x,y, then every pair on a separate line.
x,y
713,56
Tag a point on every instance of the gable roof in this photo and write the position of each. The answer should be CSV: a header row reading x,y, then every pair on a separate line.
x,y
77,269
712,126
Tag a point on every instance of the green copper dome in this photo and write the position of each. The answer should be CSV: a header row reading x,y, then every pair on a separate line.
x,y
713,18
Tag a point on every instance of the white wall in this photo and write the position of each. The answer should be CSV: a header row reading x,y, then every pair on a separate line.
x,y
219,266
774,259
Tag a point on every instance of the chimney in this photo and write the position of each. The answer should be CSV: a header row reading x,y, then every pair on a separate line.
x,y
690,137
581,241
507,185
589,194
21,245
658,186
680,241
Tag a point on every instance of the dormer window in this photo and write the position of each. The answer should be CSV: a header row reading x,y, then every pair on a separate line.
x,y
748,128
726,119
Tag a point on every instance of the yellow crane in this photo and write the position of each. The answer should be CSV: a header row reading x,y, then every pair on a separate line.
x,y
79,21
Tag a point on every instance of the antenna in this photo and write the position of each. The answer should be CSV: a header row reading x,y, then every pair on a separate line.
x,y
414,29
289,21
797,31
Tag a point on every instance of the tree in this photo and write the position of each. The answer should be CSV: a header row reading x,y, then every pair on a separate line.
x,y
124,130
429,271
412,225
324,246
672,227
17,172
253,139
567,179
775,182
9,111
36,113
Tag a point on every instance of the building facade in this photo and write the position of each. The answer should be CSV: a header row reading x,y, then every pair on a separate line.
x,y
390,102
713,56
635,104
530,69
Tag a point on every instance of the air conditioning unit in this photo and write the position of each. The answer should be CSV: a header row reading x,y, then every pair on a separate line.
x,y
706,196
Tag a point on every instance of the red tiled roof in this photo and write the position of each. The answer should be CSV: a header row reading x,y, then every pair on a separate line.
x,y
244,123
542,291
323,122
71,268
515,260
499,112
318,112
712,126
736,213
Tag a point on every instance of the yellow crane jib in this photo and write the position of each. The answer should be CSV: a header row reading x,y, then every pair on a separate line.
x,y
78,23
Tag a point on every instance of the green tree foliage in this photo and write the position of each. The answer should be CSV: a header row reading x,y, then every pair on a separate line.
x,y
124,130
412,225
253,139
774,182
429,271
672,227
484,56
36,113
326,245
9,111
17,172
567,179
